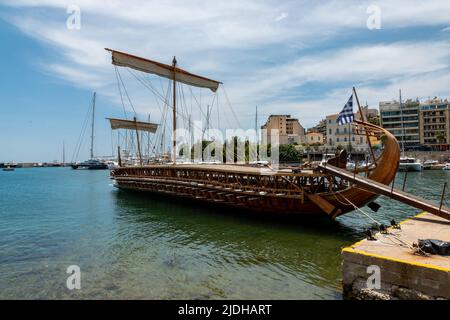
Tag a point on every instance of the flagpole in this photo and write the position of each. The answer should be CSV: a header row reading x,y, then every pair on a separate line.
x,y
367,134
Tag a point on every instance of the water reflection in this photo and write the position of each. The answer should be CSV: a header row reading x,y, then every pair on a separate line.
x,y
225,240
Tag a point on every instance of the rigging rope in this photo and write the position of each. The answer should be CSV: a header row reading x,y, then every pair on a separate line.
x,y
126,92
120,92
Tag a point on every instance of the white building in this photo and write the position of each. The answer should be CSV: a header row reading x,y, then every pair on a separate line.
x,y
343,135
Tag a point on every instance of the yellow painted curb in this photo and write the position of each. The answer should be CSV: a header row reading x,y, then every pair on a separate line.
x,y
350,249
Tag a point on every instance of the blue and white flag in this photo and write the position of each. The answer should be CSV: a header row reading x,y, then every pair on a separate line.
x,y
346,115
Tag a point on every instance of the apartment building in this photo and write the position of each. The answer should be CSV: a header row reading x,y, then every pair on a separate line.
x,y
290,129
343,135
434,118
402,122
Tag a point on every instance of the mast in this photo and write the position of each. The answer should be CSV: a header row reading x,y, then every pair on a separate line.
x,y
92,128
171,72
190,137
256,125
256,133
163,142
148,142
138,142
119,159
174,129
64,155
403,126
208,116
367,134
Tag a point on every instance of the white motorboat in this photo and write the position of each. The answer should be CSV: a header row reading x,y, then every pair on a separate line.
x,y
410,164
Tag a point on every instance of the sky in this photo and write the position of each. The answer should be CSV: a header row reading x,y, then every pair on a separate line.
x,y
297,57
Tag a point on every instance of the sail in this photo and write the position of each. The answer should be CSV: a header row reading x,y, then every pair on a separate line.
x,y
122,59
132,125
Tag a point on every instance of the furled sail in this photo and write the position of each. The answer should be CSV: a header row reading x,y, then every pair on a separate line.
x,y
133,125
141,64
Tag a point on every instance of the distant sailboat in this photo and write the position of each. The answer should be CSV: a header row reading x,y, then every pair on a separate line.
x,y
91,164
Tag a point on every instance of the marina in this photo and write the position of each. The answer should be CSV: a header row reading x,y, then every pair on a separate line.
x,y
293,150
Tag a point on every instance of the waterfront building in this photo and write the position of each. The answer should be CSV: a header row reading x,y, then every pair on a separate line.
x,y
313,138
343,135
402,122
290,130
321,127
435,124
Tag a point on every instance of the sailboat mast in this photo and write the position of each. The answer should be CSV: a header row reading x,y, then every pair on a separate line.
x,y
191,143
64,155
92,128
256,125
148,142
138,142
174,129
401,117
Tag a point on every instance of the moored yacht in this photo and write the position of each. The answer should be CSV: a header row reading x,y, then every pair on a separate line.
x,y
92,164
410,164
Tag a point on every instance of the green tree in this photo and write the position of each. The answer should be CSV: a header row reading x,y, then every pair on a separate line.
x,y
374,120
288,153
440,137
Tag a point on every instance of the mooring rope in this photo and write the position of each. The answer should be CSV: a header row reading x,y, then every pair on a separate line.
x,y
405,244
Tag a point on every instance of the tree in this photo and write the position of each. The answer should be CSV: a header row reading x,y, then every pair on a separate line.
x,y
374,120
288,153
440,137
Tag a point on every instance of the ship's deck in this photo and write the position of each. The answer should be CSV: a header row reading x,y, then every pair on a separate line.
x,y
234,168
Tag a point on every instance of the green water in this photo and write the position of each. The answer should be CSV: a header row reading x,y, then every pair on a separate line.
x,y
147,247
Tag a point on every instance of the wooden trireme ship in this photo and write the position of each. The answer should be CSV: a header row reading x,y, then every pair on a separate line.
x,y
325,190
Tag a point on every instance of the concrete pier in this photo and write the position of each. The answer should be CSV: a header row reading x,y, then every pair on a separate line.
x,y
388,268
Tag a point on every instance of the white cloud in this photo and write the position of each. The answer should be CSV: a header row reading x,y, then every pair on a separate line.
x,y
261,60
282,16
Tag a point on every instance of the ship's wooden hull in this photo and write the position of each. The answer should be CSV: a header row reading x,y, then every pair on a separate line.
x,y
261,189
293,205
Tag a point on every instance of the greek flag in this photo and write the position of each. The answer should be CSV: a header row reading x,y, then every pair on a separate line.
x,y
346,115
